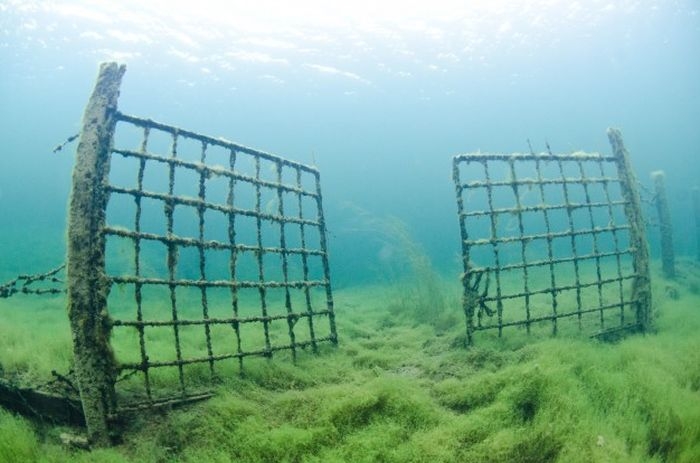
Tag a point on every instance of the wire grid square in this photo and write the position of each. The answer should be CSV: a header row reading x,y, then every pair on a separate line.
x,y
544,237
231,239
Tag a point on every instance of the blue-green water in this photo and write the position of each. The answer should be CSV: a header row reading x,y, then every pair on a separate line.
x,y
379,97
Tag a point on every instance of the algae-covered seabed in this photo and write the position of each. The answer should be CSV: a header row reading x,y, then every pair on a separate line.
x,y
402,387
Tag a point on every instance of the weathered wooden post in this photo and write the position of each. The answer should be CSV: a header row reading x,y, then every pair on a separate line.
x,y
665,227
641,287
87,284
696,210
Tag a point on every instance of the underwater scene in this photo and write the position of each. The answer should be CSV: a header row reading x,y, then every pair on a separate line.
x,y
317,231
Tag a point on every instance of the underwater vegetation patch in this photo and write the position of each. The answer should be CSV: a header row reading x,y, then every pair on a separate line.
x,y
562,399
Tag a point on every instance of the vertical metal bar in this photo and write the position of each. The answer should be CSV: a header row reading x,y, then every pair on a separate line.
x,y
665,227
641,287
259,253
494,246
233,258
596,249
172,258
616,241
95,366
305,262
523,242
468,297
201,209
324,257
570,216
138,287
291,317
550,253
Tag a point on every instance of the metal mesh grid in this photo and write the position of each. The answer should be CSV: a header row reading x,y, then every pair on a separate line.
x,y
223,248
544,237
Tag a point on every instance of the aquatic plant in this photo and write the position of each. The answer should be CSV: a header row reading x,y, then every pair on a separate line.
x,y
406,392
403,263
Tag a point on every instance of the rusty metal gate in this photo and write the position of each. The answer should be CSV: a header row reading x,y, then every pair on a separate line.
x,y
552,236
186,252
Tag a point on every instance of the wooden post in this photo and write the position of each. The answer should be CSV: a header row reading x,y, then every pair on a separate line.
x,y
665,227
469,296
696,211
641,287
95,366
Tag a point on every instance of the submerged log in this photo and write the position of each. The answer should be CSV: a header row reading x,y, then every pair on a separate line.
x,y
42,405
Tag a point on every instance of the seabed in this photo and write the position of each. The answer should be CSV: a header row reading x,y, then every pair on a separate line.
x,y
401,386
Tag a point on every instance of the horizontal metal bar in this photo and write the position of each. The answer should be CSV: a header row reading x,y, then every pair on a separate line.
x,y
218,283
557,316
196,202
219,321
215,358
558,289
543,263
213,170
164,402
207,244
531,182
547,236
213,141
541,208
578,156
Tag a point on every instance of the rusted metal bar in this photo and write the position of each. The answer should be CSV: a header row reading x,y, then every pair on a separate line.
x,y
523,242
555,260
552,261
563,180
22,283
573,313
219,321
233,255
266,352
468,294
533,157
543,236
207,244
177,131
210,171
218,283
88,286
260,261
320,218
543,207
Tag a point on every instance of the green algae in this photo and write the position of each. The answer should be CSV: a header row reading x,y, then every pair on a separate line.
x,y
408,391
17,439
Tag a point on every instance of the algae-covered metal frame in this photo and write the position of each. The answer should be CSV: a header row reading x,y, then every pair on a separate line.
x,y
286,275
551,236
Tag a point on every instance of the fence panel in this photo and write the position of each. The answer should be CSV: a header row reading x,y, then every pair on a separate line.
x,y
546,237
186,253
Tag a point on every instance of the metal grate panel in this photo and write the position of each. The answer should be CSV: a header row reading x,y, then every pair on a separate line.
x,y
214,239
547,237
